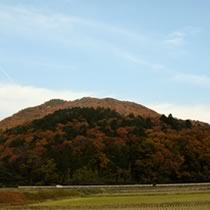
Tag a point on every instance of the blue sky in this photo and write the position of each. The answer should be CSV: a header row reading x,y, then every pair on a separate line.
x,y
154,52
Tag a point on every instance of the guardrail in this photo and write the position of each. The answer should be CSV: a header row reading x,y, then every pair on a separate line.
x,y
116,186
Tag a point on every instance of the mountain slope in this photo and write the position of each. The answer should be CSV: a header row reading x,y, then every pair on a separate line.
x,y
38,112
101,146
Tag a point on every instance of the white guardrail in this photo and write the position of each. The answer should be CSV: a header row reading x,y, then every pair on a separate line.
x,y
116,186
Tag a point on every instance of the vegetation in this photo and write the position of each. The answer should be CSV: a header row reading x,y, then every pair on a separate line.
x,y
148,207
128,198
131,200
100,146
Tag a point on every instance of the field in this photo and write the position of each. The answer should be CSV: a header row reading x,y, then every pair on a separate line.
x,y
108,198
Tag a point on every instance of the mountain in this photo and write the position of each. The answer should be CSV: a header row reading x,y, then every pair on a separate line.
x,y
101,141
38,112
102,146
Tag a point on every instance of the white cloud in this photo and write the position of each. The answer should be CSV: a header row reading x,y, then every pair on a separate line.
x,y
6,75
14,97
35,21
175,39
193,112
158,67
137,59
128,56
193,30
198,80
20,19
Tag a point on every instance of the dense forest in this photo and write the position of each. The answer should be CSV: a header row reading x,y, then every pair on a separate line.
x,y
101,146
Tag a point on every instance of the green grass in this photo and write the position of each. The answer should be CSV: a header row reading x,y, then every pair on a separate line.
x,y
183,206
113,199
128,200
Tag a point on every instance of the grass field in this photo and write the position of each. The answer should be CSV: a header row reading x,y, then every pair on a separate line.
x,y
148,198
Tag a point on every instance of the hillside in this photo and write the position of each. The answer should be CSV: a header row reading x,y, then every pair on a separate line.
x,y
38,112
102,146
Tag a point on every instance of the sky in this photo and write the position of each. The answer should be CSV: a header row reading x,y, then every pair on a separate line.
x,y
153,52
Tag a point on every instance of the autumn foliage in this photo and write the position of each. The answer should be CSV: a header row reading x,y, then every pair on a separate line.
x,y
100,146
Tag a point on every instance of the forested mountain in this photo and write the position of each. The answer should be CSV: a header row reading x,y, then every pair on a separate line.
x,y
38,112
100,146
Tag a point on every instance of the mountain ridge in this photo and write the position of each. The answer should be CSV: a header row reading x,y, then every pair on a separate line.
x,y
37,112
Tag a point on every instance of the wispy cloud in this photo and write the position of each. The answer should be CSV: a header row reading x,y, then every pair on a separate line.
x,y
33,20
180,37
137,59
6,75
67,30
14,97
175,39
198,80
39,20
193,30
193,112
46,64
